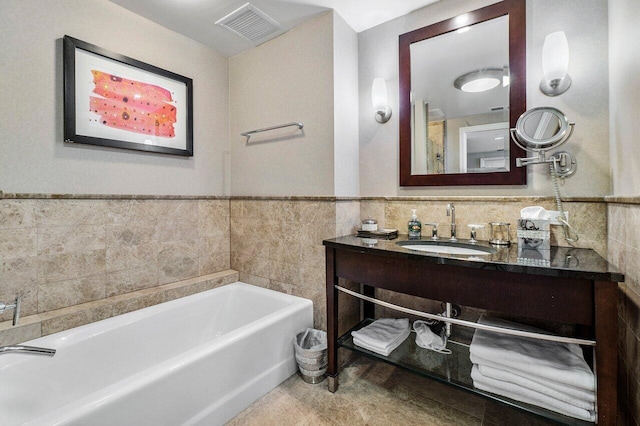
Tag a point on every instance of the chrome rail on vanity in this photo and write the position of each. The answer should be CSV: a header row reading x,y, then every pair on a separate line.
x,y
503,330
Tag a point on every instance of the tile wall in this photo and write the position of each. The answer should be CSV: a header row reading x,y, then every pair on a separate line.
x,y
587,216
624,252
63,253
277,244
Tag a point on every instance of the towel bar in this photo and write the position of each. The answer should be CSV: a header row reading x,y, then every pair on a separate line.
x,y
266,129
470,324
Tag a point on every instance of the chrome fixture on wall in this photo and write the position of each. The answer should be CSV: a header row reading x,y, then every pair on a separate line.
x,y
555,62
539,130
379,100
16,309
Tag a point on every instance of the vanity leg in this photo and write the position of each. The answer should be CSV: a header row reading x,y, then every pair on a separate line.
x,y
332,383
606,319
332,320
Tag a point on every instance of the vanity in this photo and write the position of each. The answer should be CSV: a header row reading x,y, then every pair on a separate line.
x,y
576,287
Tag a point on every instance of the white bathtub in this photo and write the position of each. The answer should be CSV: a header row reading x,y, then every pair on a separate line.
x,y
199,360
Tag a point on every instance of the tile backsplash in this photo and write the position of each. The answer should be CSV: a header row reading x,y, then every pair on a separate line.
x,y
59,253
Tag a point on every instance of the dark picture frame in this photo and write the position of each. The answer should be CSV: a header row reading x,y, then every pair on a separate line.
x,y
116,101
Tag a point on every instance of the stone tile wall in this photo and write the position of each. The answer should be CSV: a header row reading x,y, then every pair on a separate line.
x,y
61,253
624,252
588,218
277,244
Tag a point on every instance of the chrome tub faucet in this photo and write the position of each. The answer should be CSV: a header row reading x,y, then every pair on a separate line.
x,y
20,349
29,350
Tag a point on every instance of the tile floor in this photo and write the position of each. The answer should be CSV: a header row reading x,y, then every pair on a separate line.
x,y
374,393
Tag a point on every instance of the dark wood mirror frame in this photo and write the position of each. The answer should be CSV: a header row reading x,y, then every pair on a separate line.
x,y
516,9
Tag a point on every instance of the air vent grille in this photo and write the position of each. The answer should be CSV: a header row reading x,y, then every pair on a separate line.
x,y
251,23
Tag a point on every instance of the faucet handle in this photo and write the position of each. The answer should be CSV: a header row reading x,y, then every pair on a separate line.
x,y
473,227
16,309
434,231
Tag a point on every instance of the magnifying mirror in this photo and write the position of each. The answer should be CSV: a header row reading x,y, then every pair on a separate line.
x,y
540,130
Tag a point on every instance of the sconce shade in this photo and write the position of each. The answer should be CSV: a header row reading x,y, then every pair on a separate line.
x,y
379,93
379,100
555,63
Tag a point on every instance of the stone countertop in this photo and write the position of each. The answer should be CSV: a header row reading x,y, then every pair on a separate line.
x,y
562,262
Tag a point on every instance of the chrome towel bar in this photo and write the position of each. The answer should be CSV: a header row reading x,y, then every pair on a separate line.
x,y
471,324
266,129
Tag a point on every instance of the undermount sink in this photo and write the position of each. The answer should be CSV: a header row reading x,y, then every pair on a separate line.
x,y
447,247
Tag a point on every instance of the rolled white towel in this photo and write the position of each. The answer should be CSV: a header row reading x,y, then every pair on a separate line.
x,y
561,362
571,391
528,396
383,335
505,376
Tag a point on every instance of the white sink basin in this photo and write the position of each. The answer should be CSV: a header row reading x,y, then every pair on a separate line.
x,y
446,248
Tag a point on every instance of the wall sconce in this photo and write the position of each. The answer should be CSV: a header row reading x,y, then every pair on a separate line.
x,y
379,100
555,62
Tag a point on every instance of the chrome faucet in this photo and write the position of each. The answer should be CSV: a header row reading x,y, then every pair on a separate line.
x,y
30,350
451,211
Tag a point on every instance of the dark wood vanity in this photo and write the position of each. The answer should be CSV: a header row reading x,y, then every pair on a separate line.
x,y
578,288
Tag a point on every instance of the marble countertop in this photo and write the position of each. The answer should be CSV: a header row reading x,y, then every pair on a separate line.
x,y
564,262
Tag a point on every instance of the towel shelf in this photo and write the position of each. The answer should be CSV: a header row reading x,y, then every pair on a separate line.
x,y
513,332
452,369
248,134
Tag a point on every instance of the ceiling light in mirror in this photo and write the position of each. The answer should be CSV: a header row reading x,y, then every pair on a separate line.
x,y
479,81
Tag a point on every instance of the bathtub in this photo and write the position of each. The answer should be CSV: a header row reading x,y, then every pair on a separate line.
x,y
198,360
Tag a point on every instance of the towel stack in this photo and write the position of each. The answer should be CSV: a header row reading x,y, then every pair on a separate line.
x,y
548,374
382,336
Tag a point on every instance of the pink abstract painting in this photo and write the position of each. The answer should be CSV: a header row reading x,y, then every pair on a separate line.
x,y
132,105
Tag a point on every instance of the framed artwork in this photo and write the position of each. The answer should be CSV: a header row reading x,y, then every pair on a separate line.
x,y
113,100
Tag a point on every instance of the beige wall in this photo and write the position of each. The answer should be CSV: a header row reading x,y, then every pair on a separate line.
x,y
288,79
345,95
624,66
34,158
586,103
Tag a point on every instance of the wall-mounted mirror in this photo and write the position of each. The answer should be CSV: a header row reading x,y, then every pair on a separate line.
x,y
462,86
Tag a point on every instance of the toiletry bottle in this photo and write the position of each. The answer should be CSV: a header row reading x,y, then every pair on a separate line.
x,y
415,227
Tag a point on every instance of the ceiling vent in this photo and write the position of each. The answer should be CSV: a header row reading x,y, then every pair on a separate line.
x,y
251,23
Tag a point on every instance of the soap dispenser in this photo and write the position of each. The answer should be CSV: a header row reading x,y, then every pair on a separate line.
x,y
415,227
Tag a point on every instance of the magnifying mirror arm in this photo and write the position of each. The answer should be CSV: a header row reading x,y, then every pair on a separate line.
x,y
541,158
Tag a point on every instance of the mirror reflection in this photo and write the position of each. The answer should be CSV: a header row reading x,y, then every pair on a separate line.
x,y
460,100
